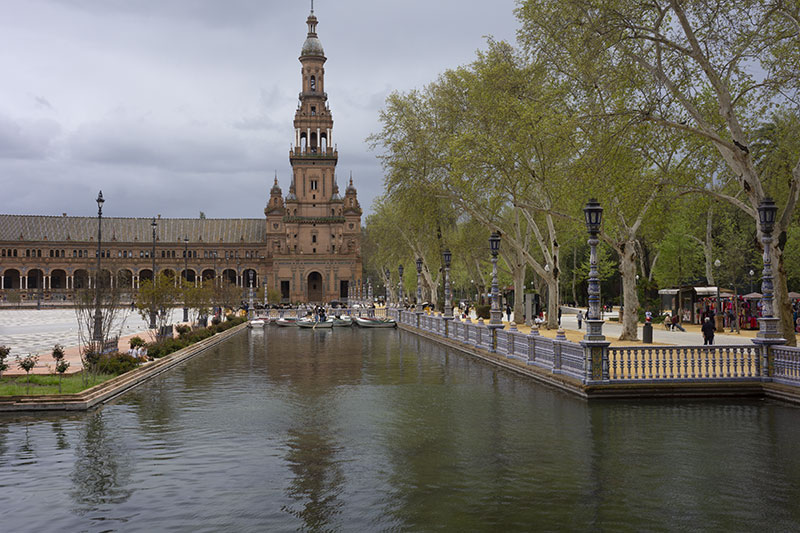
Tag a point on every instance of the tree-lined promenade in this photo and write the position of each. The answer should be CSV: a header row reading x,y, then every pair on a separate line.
x,y
681,118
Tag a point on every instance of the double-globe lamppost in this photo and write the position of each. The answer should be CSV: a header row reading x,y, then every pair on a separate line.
x,y
97,335
496,315
153,255
387,294
418,308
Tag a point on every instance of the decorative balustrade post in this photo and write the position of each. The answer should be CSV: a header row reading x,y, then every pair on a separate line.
x,y
595,346
495,315
768,334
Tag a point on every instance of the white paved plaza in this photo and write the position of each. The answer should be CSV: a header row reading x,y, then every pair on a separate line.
x,y
36,331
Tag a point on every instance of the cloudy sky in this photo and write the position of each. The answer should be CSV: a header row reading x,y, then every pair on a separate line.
x,y
174,107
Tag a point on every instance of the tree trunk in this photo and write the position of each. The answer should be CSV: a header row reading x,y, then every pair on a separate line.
x,y
519,292
552,302
574,275
782,307
630,315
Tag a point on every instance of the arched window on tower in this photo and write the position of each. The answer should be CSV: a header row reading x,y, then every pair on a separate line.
x,y
313,144
313,84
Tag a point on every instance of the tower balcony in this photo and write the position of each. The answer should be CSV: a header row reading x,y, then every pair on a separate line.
x,y
313,153
312,94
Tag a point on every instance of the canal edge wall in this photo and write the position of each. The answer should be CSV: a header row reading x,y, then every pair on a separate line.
x,y
559,381
108,390
669,390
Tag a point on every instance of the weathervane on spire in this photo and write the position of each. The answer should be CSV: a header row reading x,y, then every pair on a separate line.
x,y
312,7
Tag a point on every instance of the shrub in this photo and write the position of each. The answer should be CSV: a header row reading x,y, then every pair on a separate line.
x,y
183,330
4,351
215,321
116,363
137,341
27,363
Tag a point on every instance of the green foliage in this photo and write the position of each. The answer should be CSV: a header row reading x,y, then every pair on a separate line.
x,y
58,352
157,297
62,366
49,384
28,362
680,259
116,364
4,351
135,342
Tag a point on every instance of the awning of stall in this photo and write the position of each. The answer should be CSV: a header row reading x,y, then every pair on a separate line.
x,y
752,296
705,291
668,292
794,295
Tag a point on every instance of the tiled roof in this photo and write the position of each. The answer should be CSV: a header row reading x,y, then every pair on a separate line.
x,y
24,228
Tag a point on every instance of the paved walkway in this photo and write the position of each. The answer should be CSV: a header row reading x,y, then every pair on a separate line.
x,y
32,331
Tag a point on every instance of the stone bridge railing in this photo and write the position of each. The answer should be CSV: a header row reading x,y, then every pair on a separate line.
x,y
593,363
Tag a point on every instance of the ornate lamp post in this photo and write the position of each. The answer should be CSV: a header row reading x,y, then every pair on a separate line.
x,y
718,317
496,315
369,292
98,317
419,284
751,279
400,289
594,342
185,275
153,255
250,303
768,324
448,298
593,214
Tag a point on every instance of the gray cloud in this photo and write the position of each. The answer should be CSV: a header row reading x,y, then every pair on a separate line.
x,y
26,138
187,105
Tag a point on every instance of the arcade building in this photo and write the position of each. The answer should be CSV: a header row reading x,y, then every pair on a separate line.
x,y
307,247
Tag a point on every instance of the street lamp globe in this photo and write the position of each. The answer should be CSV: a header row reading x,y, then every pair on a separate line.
x,y
593,213
448,257
100,200
766,214
419,265
717,263
494,243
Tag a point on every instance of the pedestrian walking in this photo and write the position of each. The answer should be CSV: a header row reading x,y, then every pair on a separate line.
x,y
708,331
580,318
559,315
508,312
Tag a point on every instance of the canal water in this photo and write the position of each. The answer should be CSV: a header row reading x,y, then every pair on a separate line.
x,y
379,430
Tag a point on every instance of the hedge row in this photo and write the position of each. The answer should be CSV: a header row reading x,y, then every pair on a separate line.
x,y
187,337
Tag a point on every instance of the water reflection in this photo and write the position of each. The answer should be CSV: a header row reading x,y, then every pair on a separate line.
x,y
381,430
102,467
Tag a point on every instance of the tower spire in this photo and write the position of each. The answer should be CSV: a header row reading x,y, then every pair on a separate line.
x,y
312,7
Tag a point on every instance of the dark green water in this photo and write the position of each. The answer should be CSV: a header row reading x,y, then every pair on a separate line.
x,y
359,430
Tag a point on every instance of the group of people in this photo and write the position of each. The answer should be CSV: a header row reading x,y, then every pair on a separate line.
x,y
140,352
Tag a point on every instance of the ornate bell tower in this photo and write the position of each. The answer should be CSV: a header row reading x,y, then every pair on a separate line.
x,y
314,236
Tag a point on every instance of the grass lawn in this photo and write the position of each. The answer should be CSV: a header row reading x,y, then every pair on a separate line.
x,y
48,384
